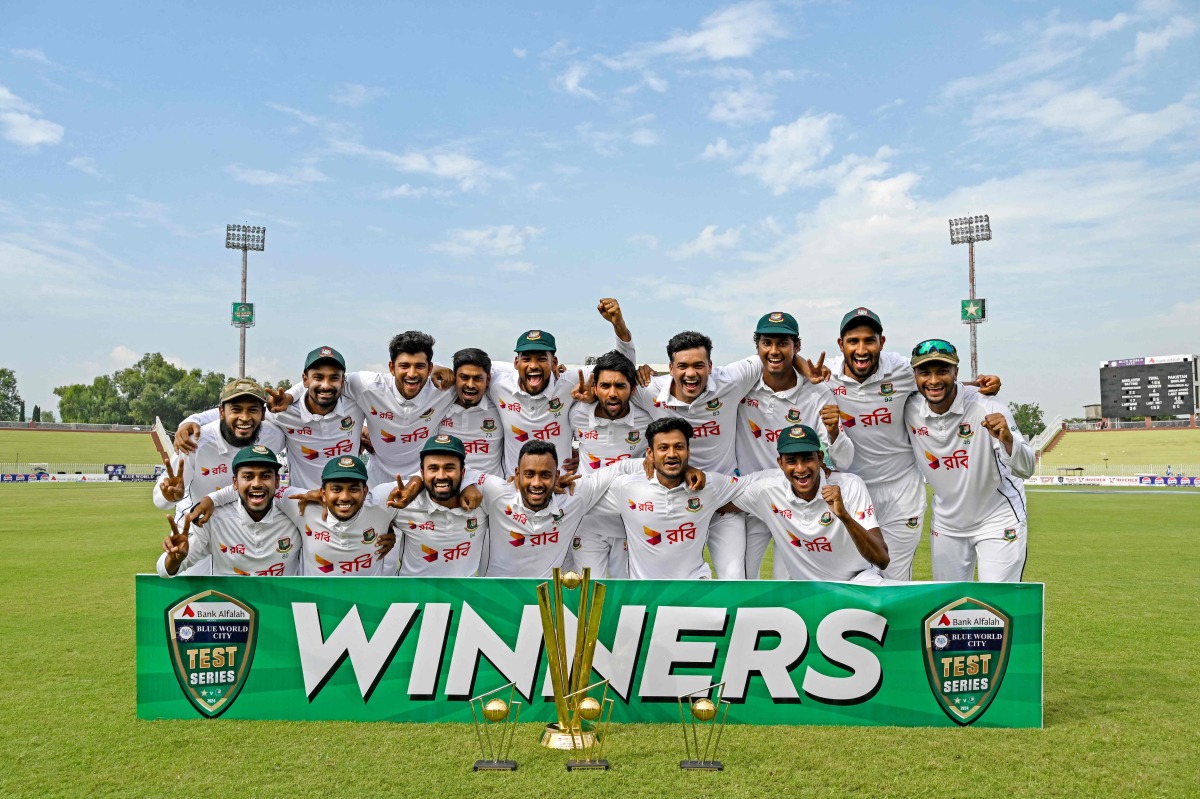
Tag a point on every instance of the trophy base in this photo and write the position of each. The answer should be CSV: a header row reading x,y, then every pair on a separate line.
x,y
587,765
495,765
555,737
701,765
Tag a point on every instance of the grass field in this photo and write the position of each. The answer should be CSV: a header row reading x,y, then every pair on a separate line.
x,y
1125,446
54,446
1121,675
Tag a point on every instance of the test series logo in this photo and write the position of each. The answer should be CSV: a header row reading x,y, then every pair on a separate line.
x,y
211,637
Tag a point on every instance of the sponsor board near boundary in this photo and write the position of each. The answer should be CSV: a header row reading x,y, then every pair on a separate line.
x,y
1139,480
415,649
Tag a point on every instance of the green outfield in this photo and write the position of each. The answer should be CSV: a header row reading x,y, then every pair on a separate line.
x,y
1123,605
56,446
1138,447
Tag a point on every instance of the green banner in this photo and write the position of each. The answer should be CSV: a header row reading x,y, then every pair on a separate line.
x,y
415,649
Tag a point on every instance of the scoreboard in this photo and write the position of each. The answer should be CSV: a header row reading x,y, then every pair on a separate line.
x,y
1162,385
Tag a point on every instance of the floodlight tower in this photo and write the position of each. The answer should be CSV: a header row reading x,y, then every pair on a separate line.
x,y
968,230
244,238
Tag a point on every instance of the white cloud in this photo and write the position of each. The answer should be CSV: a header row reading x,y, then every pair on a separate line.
x,y
736,31
123,357
496,241
85,165
356,95
709,242
406,191
883,109
786,159
719,149
643,137
1151,42
35,54
571,81
21,124
519,52
741,106
470,173
293,176
610,142
560,49
654,82
519,267
1102,120
646,240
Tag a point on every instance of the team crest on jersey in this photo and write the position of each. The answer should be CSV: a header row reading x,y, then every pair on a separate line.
x,y
887,389
348,423
912,522
965,432
488,426
793,416
472,524
633,437
576,542
1010,534
558,517
211,672
427,414
555,404
714,405
369,535
694,504
826,519
966,651
284,544
346,462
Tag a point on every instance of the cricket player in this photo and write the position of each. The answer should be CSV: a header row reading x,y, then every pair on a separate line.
x,y
667,522
781,398
252,536
533,401
323,426
873,387
440,536
707,398
238,423
473,417
347,529
608,429
969,449
823,522
401,408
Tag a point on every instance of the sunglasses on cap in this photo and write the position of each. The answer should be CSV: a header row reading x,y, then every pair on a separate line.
x,y
934,345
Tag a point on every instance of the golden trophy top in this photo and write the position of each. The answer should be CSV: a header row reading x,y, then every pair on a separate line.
x,y
704,709
495,710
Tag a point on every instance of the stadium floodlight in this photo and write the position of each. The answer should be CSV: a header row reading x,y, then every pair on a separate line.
x,y
244,238
968,230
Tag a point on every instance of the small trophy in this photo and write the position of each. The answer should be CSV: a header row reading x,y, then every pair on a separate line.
x,y
589,717
499,715
703,713
570,682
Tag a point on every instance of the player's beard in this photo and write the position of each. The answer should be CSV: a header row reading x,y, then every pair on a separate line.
x,y
441,491
233,440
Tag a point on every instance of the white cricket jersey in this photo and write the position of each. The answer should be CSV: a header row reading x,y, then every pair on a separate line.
x,y
398,427
813,543
436,541
544,416
239,545
210,467
713,415
873,417
313,440
335,548
977,486
764,413
525,543
603,442
667,528
480,431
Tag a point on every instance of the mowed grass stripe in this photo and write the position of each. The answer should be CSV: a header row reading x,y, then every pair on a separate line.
x,y
58,446
1123,601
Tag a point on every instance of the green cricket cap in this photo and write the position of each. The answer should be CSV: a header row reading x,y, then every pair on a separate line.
x,y
778,322
347,467
445,443
535,341
257,454
243,387
797,438
324,354
860,316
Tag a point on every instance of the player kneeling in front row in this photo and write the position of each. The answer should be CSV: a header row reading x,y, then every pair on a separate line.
x,y
977,478
823,522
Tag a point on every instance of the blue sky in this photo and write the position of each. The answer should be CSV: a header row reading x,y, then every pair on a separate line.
x,y
479,170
